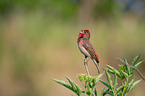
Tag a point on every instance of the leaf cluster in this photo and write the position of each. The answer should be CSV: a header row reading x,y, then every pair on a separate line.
x,y
90,83
73,86
124,74
113,88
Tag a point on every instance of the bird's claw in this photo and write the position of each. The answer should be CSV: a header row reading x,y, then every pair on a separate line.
x,y
85,62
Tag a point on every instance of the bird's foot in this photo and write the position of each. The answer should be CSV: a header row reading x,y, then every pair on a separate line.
x,y
86,60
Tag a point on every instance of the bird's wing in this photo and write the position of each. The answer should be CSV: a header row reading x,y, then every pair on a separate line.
x,y
88,46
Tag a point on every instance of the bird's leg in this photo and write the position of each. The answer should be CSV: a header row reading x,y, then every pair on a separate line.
x,y
86,66
88,60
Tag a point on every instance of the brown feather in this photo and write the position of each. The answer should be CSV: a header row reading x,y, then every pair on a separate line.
x,y
88,46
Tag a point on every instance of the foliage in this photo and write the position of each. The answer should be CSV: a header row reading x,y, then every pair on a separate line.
x,y
74,87
124,74
105,8
63,8
89,83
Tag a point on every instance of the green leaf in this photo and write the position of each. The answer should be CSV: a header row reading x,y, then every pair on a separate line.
x,y
105,92
120,94
81,77
63,84
135,60
106,84
96,79
115,81
118,90
101,93
110,71
134,84
79,91
83,91
75,87
89,91
100,75
114,70
138,64
130,85
110,92
125,74
109,79
95,92
72,83
127,67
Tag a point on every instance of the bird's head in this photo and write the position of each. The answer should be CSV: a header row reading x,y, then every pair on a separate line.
x,y
86,34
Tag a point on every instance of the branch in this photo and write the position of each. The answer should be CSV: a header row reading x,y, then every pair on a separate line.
x,y
133,68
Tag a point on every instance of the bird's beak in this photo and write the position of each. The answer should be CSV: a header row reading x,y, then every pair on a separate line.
x,y
82,31
80,34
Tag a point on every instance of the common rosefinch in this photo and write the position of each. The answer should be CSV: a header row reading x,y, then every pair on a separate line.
x,y
87,49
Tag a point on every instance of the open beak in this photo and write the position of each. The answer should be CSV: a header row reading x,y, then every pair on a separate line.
x,y
80,34
82,31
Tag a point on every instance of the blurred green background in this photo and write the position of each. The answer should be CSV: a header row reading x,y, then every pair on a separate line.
x,y
38,42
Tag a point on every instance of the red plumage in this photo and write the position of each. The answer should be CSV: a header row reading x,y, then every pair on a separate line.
x,y
86,47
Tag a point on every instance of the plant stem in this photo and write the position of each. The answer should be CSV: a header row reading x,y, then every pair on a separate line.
x,y
126,82
85,92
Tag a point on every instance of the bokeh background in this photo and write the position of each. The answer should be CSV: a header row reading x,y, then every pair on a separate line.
x,y
38,42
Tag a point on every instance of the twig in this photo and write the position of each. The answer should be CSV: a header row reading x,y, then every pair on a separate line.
x,y
87,69
86,66
133,68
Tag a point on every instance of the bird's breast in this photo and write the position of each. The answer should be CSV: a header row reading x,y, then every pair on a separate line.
x,y
82,49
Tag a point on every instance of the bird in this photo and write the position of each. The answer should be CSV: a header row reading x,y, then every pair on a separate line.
x,y
87,49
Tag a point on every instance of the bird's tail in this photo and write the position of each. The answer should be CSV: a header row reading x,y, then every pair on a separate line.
x,y
96,64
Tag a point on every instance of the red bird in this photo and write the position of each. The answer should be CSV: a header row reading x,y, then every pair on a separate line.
x,y
87,49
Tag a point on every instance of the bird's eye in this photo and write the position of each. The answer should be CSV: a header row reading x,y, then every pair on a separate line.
x,y
85,32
